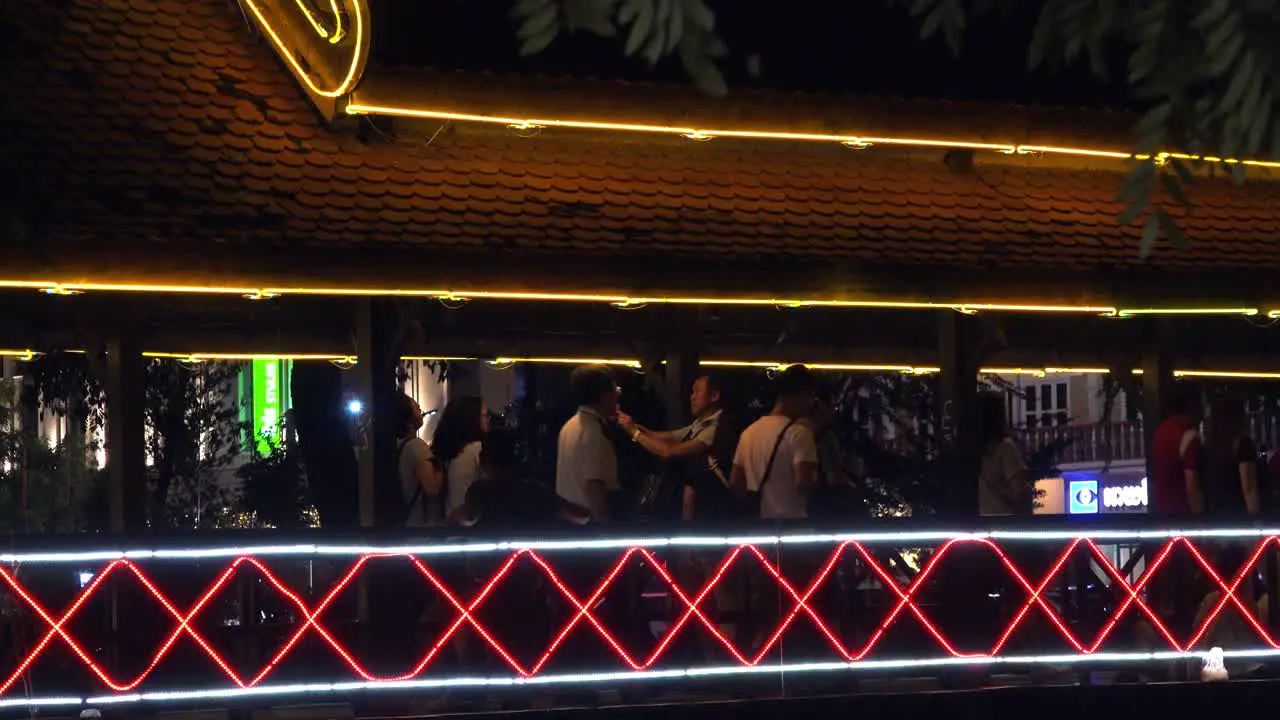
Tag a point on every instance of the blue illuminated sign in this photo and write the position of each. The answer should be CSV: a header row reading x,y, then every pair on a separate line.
x,y
1082,497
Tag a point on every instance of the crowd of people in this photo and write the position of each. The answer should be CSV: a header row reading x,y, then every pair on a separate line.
x,y
776,468
785,465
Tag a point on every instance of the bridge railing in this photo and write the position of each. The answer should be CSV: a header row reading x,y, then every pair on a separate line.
x,y
759,611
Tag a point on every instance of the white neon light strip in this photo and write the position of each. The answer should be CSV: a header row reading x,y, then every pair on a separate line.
x,y
460,548
614,677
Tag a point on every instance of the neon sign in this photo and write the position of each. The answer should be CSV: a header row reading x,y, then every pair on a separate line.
x,y
149,569
1125,498
266,403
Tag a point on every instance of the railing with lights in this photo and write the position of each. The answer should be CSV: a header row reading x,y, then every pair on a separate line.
x,y
208,623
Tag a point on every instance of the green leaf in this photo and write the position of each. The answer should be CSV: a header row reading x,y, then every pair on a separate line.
x,y
537,43
1150,233
1173,187
699,15
653,48
640,26
630,10
1211,15
595,16
1240,80
675,29
1223,47
698,64
1169,226
537,24
526,8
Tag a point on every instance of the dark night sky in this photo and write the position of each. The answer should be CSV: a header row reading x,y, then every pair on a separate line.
x,y
843,46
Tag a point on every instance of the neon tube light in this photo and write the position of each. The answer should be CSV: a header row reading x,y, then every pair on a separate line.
x,y
196,357
596,678
623,301
359,32
857,141
740,550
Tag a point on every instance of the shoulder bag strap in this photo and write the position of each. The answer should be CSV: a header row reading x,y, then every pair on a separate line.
x,y
768,468
416,497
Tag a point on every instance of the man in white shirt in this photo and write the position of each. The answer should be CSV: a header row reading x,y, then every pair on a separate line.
x,y
776,455
586,461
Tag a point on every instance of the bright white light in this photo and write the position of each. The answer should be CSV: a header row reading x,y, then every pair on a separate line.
x,y
444,547
355,407
641,675
86,577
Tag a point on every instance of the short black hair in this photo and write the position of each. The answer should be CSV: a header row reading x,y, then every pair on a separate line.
x,y
794,381
590,382
499,448
1185,399
401,413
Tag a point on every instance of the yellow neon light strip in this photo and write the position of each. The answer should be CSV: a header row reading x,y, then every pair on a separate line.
x,y
624,301
1034,372
337,34
27,354
349,81
858,141
1225,374
566,361
1248,312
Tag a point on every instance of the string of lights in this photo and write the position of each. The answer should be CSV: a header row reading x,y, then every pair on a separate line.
x,y
542,556
770,365
360,107
53,287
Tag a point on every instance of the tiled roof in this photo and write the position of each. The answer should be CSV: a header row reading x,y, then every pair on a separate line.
x,y
159,129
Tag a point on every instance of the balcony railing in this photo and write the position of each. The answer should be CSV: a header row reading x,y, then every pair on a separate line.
x,y
1118,441
1093,443
752,609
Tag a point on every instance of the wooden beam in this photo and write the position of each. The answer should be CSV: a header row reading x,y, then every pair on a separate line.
x,y
1157,379
126,449
958,338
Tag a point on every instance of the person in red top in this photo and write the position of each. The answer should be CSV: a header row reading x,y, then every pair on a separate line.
x,y
1174,459
1173,466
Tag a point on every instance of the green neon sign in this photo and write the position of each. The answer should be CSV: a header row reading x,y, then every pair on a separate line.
x,y
266,402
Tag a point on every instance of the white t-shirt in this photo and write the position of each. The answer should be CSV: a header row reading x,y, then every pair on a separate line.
x,y
585,453
782,498
413,454
1001,464
464,470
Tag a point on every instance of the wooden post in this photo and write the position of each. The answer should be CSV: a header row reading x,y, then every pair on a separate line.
x,y
682,353
376,388
957,395
126,448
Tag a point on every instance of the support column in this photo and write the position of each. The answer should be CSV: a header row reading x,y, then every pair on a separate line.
x,y
682,357
126,449
1157,378
957,395
378,495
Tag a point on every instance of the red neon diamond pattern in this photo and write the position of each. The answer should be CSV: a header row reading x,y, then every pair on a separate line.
x,y
689,608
